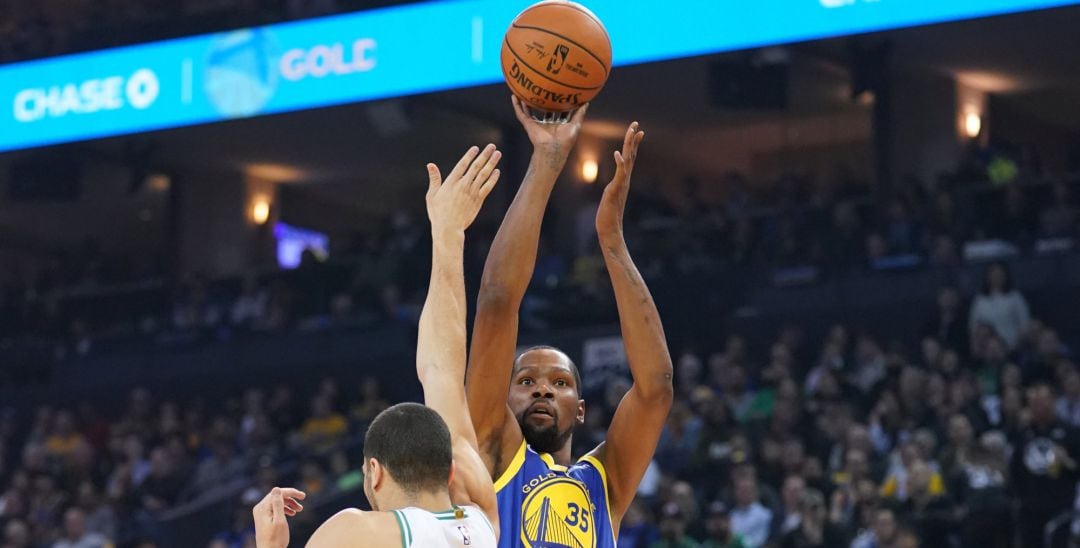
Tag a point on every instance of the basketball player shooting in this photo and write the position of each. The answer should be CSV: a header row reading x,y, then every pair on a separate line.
x,y
545,498
411,452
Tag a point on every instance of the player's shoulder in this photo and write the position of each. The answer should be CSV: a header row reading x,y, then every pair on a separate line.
x,y
354,527
593,461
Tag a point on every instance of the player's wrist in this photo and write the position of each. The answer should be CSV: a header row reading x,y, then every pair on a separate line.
x,y
552,151
450,234
612,238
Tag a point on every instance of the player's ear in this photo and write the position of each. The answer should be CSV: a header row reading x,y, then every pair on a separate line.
x,y
375,472
452,467
580,412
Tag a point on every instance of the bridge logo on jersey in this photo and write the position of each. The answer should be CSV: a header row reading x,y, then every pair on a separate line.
x,y
558,514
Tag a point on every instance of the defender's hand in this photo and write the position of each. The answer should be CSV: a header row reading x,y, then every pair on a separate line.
x,y
453,204
271,529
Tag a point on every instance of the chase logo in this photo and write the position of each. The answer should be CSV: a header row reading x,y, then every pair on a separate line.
x,y
558,514
241,72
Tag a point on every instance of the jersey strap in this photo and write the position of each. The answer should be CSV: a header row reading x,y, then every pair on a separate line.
x,y
403,526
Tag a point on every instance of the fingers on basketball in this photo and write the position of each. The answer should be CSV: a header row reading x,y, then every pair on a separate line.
x,y
520,110
579,115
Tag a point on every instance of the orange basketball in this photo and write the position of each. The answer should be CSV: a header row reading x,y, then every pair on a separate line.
x,y
556,55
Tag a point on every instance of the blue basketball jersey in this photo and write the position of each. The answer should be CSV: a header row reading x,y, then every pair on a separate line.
x,y
544,505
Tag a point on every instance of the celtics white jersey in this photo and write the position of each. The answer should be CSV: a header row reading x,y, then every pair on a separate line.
x,y
457,528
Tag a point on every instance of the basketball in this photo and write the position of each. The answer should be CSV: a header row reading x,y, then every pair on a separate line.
x,y
556,55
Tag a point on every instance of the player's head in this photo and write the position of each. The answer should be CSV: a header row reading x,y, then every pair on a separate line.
x,y
407,448
545,395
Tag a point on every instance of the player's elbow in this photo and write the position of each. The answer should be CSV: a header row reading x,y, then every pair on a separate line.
x,y
658,391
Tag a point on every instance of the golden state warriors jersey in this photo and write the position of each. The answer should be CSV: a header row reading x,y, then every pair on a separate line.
x,y
544,505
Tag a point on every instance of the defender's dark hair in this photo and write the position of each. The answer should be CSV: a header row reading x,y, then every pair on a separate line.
x,y
413,442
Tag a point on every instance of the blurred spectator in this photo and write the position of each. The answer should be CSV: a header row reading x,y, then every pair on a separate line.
x,y
749,518
718,528
869,366
250,306
161,488
64,442
1068,404
927,508
16,534
679,439
637,529
947,325
241,532
673,529
882,533
222,467
981,490
100,516
77,536
371,402
788,515
1044,465
814,529
1000,306
325,428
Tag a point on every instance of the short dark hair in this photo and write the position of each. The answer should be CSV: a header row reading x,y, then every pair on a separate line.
x,y
413,442
573,366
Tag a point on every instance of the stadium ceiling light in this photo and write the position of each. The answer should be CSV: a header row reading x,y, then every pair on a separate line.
x,y
972,124
589,170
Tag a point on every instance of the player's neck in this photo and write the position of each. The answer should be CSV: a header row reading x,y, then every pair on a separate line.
x,y
431,502
563,457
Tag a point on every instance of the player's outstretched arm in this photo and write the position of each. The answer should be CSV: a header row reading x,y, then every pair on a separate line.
x,y
635,428
452,205
507,272
352,528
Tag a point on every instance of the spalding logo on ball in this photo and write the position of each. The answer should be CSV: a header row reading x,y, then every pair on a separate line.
x,y
556,56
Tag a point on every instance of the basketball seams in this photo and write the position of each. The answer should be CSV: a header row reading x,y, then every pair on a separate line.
x,y
541,74
603,65
533,28
563,4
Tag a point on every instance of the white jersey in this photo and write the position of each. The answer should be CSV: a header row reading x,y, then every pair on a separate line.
x,y
457,528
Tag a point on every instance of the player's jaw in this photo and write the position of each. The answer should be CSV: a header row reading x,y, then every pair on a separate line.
x,y
540,425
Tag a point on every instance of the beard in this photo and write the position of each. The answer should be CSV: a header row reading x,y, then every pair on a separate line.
x,y
544,439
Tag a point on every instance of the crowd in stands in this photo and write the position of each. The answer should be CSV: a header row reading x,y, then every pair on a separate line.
x,y
969,440
61,307
855,440
73,477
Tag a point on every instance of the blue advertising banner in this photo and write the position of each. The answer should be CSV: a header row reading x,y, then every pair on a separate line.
x,y
392,52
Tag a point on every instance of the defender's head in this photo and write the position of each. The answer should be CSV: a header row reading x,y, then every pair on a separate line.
x,y
545,396
407,448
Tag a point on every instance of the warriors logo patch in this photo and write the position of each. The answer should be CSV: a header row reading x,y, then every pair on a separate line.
x,y
558,514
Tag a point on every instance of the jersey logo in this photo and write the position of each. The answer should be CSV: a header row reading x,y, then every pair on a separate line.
x,y
558,514
465,538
